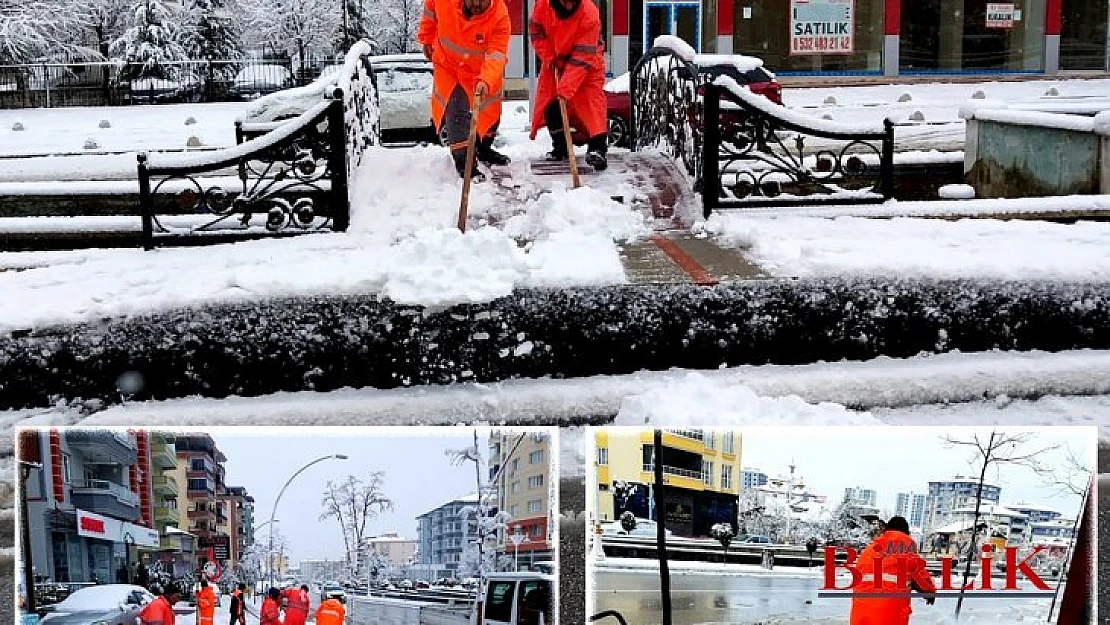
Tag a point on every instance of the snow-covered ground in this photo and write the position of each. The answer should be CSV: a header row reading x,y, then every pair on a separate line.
x,y
967,248
1005,388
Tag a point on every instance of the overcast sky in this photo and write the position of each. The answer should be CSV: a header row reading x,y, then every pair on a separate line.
x,y
418,476
902,459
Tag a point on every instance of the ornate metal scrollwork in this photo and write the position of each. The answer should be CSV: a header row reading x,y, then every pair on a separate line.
x,y
760,159
666,111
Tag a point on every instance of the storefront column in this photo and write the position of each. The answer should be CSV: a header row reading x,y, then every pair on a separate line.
x,y
724,26
892,24
1053,22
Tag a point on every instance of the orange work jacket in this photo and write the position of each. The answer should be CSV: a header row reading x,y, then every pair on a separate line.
x,y
206,606
330,612
573,46
270,614
900,564
157,612
296,606
464,51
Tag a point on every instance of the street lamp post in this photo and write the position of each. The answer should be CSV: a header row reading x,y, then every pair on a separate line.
x,y
273,512
517,539
25,469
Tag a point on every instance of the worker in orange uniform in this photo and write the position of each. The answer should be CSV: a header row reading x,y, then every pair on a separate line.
x,y
467,41
331,612
296,605
206,604
902,569
270,614
567,37
160,611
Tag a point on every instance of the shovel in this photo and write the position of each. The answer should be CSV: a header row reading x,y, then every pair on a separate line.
x,y
570,141
471,142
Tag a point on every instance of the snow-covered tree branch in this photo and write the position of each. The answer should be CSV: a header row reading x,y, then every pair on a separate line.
x,y
353,503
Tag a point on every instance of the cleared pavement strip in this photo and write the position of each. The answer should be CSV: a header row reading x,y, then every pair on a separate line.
x,y
679,257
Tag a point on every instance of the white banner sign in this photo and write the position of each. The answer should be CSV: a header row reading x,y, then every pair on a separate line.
x,y
106,528
822,26
1000,15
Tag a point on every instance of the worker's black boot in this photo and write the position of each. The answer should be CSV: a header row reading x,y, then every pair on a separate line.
x,y
597,151
490,156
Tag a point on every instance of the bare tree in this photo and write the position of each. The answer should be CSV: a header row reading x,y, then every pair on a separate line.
x,y
998,448
295,27
353,502
45,28
393,25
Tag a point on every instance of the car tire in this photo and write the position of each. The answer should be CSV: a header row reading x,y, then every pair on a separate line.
x,y
443,140
619,135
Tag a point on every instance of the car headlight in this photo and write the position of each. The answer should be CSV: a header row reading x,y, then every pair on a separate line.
x,y
101,623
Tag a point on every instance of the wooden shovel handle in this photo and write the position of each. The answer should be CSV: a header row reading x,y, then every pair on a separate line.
x,y
566,134
469,167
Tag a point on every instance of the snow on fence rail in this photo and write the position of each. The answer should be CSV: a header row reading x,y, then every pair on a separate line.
x,y
296,173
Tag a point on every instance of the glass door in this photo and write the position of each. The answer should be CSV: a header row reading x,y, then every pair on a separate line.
x,y
681,19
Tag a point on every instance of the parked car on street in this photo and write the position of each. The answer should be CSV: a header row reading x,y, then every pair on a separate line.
x,y
187,88
104,604
405,96
746,71
756,539
255,81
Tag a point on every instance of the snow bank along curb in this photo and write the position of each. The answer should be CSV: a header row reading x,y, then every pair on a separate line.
x,y
326,343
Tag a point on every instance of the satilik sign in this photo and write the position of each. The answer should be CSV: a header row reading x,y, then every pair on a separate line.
x,y
822,27
1001,15
899,583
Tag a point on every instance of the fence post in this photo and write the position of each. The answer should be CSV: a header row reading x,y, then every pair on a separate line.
x,y
710,161
337,163
886,175
145,205
631,108
46,75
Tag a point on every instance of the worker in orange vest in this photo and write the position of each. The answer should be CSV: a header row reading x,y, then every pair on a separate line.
x,y
902,569
297,604
331,612
238,606
468,43
270,613
567,37
160,611
206,604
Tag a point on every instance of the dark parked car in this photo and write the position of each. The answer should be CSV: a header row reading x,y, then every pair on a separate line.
x,y
755,78
106,604
255,81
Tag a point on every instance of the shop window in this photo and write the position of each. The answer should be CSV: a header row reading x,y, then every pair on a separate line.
x,y
825,36
961,35
1083,36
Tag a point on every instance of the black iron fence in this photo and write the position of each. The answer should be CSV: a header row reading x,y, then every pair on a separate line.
x,y
291,179
739,149
113,83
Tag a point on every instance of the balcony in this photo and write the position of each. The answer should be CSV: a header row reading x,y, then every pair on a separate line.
x,y
201,515
104,497
696,435
102,447
165,485
676,471
163,456
165,514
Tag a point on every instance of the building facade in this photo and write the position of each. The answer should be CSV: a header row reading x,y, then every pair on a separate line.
x,y
911,506
442,534
322,570
879,37
200,473
241,506
948,495
861,496
520,465
89,503
700,467
751,478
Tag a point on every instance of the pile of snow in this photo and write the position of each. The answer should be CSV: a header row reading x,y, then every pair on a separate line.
x,y
696,400
904,247
1102,123
584,209
740,62
290,102
444,267
620,84
956,192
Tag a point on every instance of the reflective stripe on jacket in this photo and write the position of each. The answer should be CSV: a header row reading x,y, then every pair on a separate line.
x,y
464,51
573,46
